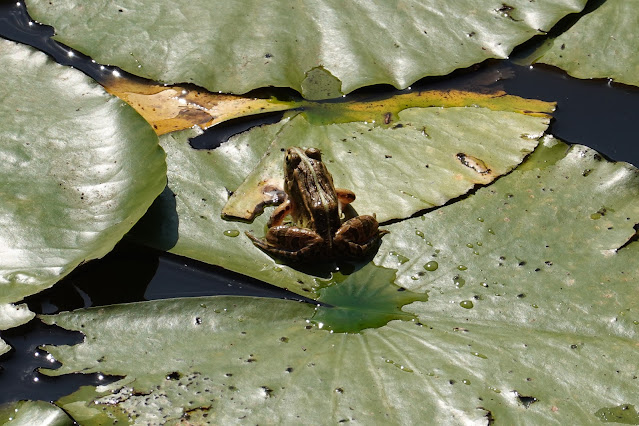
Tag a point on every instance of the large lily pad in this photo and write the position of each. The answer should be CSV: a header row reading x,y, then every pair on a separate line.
x,y
395,172
532,317
322,48
602,44
79,168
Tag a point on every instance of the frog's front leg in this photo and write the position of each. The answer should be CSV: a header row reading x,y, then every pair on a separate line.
x,y
344,196
278,215
358,236
289,242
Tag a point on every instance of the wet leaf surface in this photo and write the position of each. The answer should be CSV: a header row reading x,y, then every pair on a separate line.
x,y
322,49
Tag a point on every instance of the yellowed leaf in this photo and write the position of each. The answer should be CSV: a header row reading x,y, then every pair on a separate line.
x,y
171,108
385,111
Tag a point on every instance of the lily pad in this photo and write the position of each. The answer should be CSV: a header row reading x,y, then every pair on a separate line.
x,y
79,168
322,49
28,413
411,166
13,316
532,317
428,157
602,44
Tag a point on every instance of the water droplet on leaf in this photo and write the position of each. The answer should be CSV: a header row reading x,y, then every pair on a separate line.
x,y
466,304
431,266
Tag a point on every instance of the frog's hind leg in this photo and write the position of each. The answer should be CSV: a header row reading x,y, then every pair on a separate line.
x,y
358,236
289,242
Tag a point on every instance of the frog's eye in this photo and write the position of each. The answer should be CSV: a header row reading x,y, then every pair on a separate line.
x,y
314,153
292,159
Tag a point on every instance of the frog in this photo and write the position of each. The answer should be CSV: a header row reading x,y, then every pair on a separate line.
x,y
314,204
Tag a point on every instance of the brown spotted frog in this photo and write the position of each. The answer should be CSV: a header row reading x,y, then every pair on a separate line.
x,y
314,205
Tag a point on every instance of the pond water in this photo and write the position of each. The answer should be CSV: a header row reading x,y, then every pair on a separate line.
x,y
596,113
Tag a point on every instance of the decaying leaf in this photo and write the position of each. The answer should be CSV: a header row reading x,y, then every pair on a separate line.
x,y
172,108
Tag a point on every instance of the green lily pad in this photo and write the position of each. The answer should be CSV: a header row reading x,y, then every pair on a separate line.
x,y
395,172
79,168
532,317
428,157
322,48
602,44
13,316
28,413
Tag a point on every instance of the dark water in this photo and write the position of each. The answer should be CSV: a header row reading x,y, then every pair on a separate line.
x,y
595,113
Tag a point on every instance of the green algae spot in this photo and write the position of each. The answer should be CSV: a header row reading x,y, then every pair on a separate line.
x,y
478,355
419,233
431,266
462,267
232,233
367,298
625,413
595,216
466,382
469,245
466,304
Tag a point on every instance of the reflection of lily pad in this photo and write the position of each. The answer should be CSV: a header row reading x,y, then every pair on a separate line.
x,y
79,168
532,317
398,186
238,46
602,44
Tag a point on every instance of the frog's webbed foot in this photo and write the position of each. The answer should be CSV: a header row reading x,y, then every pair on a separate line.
x,y
289,242
358,236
